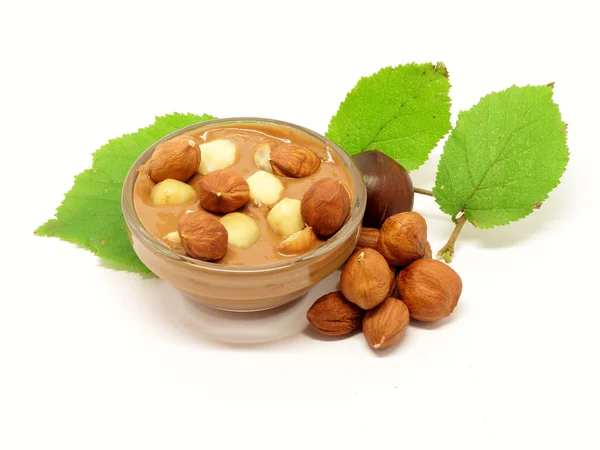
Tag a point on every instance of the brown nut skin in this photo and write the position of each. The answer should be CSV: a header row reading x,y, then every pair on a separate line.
x,y
325,206
367,238
430,289
222,191
384,325
389,187
177,158
428,253
333,315
298,243
295,161
202,236
403,238
366,278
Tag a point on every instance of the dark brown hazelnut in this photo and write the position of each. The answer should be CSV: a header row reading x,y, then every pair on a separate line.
x,y
325,206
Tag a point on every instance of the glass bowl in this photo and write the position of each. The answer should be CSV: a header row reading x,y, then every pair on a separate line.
x,y
245,288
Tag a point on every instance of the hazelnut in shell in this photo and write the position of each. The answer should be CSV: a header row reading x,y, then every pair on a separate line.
x,y
366,278
430,289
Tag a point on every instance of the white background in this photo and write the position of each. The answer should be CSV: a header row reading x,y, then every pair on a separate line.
x,y
90,357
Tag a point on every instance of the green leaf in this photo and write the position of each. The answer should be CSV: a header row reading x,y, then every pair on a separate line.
x,y
402,111
90,214
503,158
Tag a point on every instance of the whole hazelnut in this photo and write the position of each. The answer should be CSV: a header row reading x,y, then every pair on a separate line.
x,y
403,238
293,160
428,253
367,238
172,192
202,236
326,206
384,325
223,191
177,159
430,289
333,315
366,278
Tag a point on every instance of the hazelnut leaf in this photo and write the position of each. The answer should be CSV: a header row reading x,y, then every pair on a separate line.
x,y
90,214
503,157
401,111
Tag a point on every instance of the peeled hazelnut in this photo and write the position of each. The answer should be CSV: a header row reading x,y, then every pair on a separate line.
x,y
285,218
202,236
427,250
403,238
216,155
368,238
177,158
172,192
292,160
243,230
333,315
430,289
384,325
223,191
265,187
366,278
298,243
326,206
262,153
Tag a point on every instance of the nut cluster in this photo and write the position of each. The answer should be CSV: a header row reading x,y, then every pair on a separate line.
x,y
424,289
186,173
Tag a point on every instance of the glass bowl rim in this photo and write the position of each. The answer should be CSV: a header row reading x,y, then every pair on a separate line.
x,y
137,228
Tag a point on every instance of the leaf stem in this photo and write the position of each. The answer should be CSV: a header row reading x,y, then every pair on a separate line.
x,y
423,192
448,250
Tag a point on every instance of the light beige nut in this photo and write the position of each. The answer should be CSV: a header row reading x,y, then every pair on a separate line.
x,y
366,278
384,325
265,188
202,236
285,218
333,315
293,160
223,191
326,206
242,229
298,243
172,192
262,153
177,158
216,155
430,289
403,238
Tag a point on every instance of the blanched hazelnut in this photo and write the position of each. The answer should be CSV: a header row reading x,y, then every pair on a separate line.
x,y
285,218
177,158
172,192
298,243
202,236
243,230
265,187
262,154
216,155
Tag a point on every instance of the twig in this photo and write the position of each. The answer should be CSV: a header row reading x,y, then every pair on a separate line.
x,y
423,192
448,250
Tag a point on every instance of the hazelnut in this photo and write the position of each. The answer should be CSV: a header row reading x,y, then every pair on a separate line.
x,y
242,230
285,218
326,206
172,192
384,325
262,153
177,158
298,243
295,161
367,238
174,242
428,253
223,191
216,155
430,289
202,236
333,315
403,238
265,187
366,278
